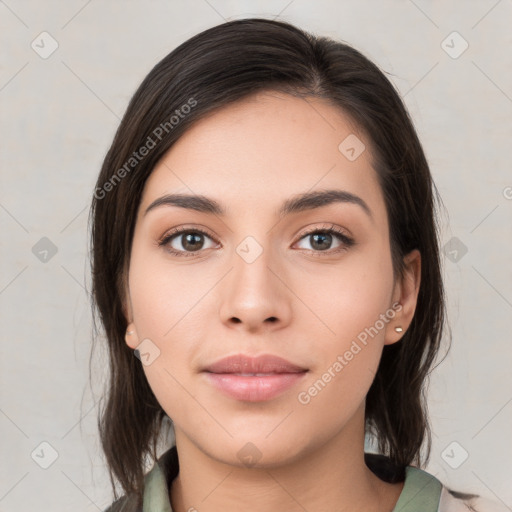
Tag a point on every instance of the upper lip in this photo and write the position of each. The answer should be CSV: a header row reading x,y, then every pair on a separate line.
x,y
240,363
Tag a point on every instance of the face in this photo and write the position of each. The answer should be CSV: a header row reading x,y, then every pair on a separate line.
x,y
311,284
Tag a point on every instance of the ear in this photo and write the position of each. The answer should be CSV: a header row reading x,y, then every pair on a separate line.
x,y
131,338
406,295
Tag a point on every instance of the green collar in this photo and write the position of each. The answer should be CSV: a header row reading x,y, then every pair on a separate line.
x,y
156,490
421,491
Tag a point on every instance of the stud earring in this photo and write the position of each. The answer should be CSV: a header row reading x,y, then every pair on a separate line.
x,y
398,329
129,332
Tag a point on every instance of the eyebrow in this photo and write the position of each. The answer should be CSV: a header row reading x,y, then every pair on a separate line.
x,y
298,203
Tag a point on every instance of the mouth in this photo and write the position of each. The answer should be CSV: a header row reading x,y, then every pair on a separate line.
x,y
253,379
247,365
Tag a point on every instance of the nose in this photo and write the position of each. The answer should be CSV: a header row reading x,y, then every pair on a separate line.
x,y
255,296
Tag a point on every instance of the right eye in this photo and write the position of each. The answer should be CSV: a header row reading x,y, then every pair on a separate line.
x,y
185,241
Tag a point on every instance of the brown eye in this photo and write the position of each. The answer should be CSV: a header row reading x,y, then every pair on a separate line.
x,y
192,241
186,242
321,240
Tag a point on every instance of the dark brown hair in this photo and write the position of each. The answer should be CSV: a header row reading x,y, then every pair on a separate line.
x,y
213,69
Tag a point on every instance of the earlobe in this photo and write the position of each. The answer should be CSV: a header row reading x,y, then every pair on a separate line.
x,y
131,337
406,294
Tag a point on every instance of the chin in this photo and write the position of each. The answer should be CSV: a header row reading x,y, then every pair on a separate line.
x,y
256,449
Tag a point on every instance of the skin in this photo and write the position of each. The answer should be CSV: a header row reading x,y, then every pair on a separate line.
x,y
252,156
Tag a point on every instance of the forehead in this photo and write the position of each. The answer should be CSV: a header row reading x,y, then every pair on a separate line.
x,y
265,148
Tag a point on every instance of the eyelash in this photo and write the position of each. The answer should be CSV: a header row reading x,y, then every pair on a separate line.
x,y
333,230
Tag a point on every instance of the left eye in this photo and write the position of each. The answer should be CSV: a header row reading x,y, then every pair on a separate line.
x,y
322,239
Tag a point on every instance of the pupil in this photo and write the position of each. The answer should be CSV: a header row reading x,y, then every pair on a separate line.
x,y
322,237
189,241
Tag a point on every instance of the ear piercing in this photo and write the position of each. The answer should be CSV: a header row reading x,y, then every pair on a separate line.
x,y
398,329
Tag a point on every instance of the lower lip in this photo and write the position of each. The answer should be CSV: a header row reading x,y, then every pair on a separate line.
x,y
254,388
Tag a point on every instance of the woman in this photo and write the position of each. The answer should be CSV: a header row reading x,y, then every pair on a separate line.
x,y
266,269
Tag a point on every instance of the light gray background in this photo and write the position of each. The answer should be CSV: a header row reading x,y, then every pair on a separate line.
x,y
58,118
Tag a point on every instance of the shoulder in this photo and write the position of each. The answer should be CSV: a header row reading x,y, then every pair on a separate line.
x,y
433,495
453,501
424,491
124,504
156,487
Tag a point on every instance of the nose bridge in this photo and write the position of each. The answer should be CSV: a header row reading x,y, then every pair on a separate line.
x,y
253,293
252,263
255,251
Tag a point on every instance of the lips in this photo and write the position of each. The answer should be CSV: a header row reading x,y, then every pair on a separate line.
x,y
253,379
261,365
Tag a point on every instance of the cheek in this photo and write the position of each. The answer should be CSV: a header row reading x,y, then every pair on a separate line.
x,y
169,304
353,306
348,298
165,296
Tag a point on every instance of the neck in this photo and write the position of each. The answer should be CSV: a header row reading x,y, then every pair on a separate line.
x,y
333,477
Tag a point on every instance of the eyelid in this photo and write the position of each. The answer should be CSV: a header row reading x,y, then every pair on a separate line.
x,y
327,226
185,229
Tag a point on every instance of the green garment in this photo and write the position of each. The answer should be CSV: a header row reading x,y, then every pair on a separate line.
x,y
422,492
